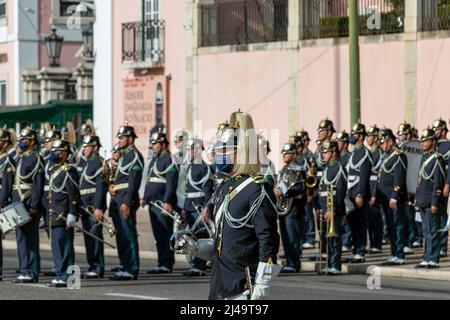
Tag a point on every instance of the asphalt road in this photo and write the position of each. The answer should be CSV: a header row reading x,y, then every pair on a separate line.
x,y
304,286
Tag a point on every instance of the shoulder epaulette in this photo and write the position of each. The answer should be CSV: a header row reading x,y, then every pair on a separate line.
x,y
437,155
68,166
259,179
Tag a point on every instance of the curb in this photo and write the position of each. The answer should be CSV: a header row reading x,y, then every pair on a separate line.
x,y
397,272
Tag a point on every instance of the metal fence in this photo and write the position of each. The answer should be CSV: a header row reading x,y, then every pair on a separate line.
x,y
242,22
329,18
144,42
435,15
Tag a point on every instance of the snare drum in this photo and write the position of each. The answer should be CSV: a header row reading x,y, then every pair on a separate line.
x,y
13,216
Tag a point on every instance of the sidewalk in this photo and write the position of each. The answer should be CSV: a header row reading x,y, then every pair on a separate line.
x,y
405,271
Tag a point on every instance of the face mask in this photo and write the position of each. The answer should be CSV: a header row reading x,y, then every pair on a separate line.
x,y
54,157
23,145
224,163
353,140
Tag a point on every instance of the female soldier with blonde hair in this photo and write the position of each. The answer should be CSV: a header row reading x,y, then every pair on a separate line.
x,y
247,242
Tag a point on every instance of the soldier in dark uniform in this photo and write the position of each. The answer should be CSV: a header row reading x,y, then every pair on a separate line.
x,y
49,138
85,130
375,219
342,139
64,208
359,170
93,191
443,147
219,176
308,156
199,189
334,180
268,170
292,224
7,173
125,203
325,133
109,174
161,185
392,194
28,189
246,220
429,198
412,236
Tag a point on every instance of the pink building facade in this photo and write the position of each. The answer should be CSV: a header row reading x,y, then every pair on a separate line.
x,y
23,27
286,85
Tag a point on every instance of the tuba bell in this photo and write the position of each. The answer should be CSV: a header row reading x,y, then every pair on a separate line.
x,y
109,171
288,179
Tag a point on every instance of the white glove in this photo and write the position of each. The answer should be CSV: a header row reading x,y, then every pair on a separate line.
x,y
265,276
71,220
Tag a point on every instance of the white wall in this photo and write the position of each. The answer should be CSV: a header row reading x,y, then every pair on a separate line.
x,y
26,44
103,73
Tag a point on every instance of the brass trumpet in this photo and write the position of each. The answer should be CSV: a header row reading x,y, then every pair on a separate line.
x,y
311,180
105,223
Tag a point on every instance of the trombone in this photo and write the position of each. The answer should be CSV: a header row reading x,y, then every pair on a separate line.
x,y
330,228
105,222
93,236
175,217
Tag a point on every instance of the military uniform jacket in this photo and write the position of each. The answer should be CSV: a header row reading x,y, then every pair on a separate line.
x,y
359,169
377,159
48,165
162,179
29,180
219,177
246,232
345,156
431,181
128,177
444,150
319,162
199,186
14,154
7,173
93,186
64,194
80,161
392,178
334,175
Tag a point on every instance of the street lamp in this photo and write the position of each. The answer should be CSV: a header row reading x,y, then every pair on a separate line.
x,y
88,40
54,46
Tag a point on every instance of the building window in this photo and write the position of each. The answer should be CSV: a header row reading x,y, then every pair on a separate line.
x,y
3,93
69,7
2,9
151,10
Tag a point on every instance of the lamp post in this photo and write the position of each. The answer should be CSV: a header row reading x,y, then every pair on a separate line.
x,y
355,92
88,41
54,44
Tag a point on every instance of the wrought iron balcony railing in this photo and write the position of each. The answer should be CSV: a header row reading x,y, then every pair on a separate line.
x,y
243,22
143,42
